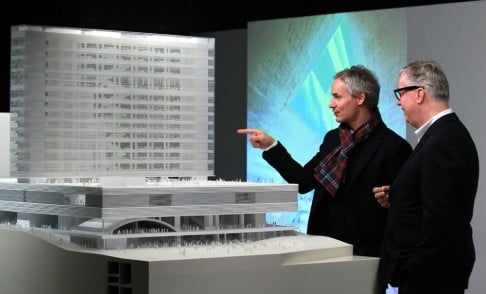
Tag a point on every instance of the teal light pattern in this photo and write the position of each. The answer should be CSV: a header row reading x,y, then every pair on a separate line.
x,y
291,65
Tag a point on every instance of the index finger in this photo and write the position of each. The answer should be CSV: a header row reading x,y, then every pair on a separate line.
x,y
247,131
376,189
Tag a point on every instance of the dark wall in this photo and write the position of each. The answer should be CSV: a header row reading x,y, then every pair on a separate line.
x,y
230,105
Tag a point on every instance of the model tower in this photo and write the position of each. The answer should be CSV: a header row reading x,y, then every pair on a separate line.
x,y
89,103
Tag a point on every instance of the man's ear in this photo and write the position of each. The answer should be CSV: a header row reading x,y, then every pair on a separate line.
x,y
361,97
419,97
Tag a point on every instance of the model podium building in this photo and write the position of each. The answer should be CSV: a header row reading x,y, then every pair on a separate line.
x,y
150,215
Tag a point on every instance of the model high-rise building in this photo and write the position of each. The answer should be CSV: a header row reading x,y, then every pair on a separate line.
x,y
89,103
101,123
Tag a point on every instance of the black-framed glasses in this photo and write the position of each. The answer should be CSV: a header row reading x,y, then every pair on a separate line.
x,y
400,91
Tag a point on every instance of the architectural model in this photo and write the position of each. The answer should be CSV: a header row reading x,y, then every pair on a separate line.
x,y
112,137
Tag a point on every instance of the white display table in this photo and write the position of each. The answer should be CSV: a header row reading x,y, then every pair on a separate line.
x,y
36,263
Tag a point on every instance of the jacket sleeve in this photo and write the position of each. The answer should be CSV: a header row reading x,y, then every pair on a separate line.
x,y
292,171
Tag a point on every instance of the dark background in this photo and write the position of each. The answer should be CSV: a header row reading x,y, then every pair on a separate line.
x,y
179,16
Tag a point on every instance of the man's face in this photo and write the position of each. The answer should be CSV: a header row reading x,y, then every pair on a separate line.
x,y
343,105
408,100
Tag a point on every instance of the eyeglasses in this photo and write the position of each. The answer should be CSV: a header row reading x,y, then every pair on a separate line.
x,y
400,91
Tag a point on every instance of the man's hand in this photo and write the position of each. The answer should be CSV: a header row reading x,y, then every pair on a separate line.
x,y
258,139
382,196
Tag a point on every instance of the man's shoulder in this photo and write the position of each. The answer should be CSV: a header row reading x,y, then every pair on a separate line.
x,y
332,132
391,135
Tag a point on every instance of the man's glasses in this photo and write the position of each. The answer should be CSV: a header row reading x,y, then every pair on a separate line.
x,y
400,91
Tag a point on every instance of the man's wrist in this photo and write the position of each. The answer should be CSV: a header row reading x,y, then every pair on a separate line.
x,y
275,142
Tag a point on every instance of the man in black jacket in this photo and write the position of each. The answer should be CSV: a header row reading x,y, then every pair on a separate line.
x,y
428,238
355,157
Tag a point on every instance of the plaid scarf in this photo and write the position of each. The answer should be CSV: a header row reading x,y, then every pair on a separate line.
x,y
331,171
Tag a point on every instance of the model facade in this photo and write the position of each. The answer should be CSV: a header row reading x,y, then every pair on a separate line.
x,y
155,214
90,103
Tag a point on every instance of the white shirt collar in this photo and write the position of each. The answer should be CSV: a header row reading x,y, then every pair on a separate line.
x,y
421,131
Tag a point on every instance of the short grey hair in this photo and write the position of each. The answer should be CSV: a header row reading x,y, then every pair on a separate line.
x,y
360,79
430,75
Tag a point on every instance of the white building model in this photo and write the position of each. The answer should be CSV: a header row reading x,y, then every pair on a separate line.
x,y
103,122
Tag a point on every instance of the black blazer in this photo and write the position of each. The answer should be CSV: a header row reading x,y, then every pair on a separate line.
x,y
353,215
428,238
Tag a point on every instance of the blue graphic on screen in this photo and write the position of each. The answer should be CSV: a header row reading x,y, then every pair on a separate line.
x,y
291,64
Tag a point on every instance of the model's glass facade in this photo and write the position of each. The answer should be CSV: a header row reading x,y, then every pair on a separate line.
x,y
90,103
